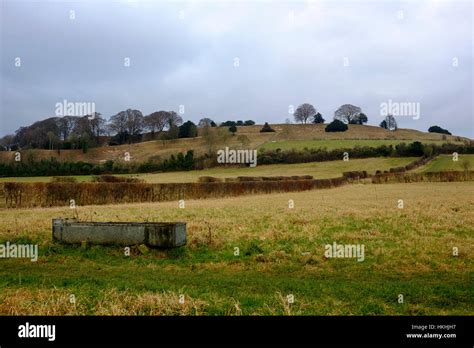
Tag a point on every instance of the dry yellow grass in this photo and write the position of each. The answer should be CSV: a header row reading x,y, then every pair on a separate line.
x,y
110,302
432,213
408,250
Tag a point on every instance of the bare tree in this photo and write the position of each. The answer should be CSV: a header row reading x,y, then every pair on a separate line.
x,y
203,122
174,120
134,121
97,124
52,140
156,122
66,125
391,123
83,126
35,135
118,123
129,120
304,112
7,142
347,113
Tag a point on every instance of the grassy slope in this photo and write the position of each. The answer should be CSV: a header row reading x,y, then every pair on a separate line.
x,y
445,162
319,170
407,251
292,133
334,144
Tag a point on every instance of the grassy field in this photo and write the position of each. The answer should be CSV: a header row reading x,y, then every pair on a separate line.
x,y
281,252
336,144
319,170
445,162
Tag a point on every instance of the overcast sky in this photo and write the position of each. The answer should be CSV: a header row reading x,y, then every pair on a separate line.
x,y
239,60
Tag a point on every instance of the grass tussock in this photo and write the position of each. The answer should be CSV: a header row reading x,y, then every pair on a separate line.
x,y
108,302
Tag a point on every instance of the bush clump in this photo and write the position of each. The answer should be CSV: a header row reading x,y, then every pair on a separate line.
x,y
438,129
266,128
336,126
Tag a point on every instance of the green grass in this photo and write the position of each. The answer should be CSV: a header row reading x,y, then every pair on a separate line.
x,y
331,144
281,252
445,162
319,170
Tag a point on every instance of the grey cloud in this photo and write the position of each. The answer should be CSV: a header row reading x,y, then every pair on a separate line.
x,y
190,60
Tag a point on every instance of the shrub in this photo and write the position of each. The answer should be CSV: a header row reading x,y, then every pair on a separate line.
x,y
318,118
336,126
416,148
187,130
437,129
266,128
228,124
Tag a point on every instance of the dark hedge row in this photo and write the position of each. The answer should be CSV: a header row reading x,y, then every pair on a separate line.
x,y
415,149
446,176
53,167
24,195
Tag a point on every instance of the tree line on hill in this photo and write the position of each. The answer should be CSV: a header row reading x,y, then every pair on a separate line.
x,y
348,114
130,126
344,115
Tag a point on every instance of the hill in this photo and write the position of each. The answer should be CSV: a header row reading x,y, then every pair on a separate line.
x,y
286,136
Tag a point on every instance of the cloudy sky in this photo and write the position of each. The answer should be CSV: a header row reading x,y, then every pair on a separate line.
x,y
239,60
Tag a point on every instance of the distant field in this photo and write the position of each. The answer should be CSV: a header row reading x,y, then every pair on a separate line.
x,y
445,162
319,170
281,252
337,144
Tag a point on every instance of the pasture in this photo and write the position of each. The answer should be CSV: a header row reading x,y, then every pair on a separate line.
x,y
320,170
408,251
445,162
339,144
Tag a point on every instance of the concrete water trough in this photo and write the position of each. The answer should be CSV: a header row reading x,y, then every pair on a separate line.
x,y
152,234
